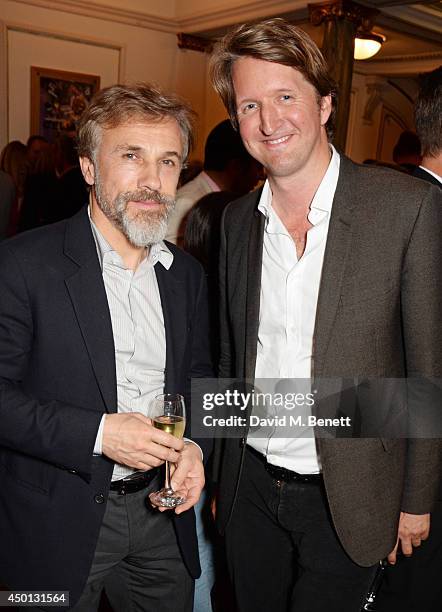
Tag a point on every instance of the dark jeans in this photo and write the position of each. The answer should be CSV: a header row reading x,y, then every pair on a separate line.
x,y
414,584
283,552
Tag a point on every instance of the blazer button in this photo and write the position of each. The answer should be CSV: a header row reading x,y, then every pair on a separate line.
x,y
99,499
242,443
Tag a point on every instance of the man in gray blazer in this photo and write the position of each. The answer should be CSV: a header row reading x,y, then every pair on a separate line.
x,y
331,271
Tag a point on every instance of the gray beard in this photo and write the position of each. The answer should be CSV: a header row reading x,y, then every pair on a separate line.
x,y
141,227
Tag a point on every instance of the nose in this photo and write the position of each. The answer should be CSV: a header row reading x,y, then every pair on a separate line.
x,y
149,177
269,119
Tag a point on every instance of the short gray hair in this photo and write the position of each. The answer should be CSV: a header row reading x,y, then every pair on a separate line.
x,y
118,104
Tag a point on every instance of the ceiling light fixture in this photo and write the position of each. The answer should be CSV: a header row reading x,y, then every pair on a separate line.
x,y
367,44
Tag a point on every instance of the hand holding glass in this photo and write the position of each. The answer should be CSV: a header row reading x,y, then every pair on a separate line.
x,y
168,414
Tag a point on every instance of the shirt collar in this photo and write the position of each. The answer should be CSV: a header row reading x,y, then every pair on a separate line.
x,y
157,253
436,176
213,186
323,198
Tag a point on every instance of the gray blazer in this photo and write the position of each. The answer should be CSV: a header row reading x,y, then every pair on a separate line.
x,y
378,315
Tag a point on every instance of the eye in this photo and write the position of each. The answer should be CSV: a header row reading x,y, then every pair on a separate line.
x,y
251,106
169,162
130,156
286,97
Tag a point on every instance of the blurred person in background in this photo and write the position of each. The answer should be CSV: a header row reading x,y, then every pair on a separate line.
x,y
34,147
407,151
227,167
72,190
7,199
13,161
428,119
40,192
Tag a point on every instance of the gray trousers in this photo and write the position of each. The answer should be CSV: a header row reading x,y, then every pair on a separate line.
x,y
137,560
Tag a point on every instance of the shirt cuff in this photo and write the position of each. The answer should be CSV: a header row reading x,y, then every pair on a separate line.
x,y
187,441
98,447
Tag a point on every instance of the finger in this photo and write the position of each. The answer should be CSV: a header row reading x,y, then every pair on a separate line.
x,y
166,439
142,418
192,498
416,542
180,474
392,556
149,462
406,546
162,452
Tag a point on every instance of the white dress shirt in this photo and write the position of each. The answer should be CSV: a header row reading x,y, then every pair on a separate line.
x,y
138,330
289,295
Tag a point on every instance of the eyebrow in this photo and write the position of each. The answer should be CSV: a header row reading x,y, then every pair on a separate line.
x,y
129,147
280,90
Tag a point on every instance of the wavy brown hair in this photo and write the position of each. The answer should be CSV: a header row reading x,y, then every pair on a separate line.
x,y
273,40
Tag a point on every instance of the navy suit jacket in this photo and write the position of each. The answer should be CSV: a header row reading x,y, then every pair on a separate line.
x,y
57,379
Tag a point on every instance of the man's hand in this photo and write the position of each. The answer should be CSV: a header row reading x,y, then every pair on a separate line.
x,y
188,476
413,528
132,440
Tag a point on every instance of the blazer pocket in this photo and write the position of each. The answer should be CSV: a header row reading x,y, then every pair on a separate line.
x,y
354,295
26,471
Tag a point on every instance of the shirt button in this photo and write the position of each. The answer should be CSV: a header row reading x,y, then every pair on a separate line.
x,y
99,499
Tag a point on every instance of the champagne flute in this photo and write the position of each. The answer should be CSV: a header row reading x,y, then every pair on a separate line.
x,y
168,414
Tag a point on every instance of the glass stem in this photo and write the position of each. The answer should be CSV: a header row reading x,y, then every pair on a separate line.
x,y
168,475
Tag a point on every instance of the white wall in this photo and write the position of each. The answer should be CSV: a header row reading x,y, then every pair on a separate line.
x,y
26,50
32,35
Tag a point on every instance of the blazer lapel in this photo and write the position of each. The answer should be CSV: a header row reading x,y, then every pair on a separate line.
x,y
254,267
174,304
88,296
333,269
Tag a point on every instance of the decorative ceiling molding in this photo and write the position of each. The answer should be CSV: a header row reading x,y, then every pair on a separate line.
x,y
396,65
228,13
100,11
423,16
362,16
224,14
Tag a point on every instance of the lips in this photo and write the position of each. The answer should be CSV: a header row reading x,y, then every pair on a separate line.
x,y
145,203
277,141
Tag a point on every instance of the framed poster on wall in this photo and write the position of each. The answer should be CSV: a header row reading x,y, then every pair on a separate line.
x,y
58,98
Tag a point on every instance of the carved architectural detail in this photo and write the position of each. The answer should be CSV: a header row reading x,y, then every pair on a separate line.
x,y
362,16
194,43
375,93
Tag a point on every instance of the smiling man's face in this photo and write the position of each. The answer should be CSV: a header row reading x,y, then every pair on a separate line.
x,y
135,175
281,119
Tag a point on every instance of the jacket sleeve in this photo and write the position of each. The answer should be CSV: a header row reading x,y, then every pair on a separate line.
x,y
421,303
52,431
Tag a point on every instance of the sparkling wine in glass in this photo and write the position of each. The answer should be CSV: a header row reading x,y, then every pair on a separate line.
x,y
168,414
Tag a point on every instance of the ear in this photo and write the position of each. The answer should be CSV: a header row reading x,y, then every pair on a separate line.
x,y
325,108
88,170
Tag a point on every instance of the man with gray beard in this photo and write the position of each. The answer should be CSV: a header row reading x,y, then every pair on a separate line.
x,y
98,316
